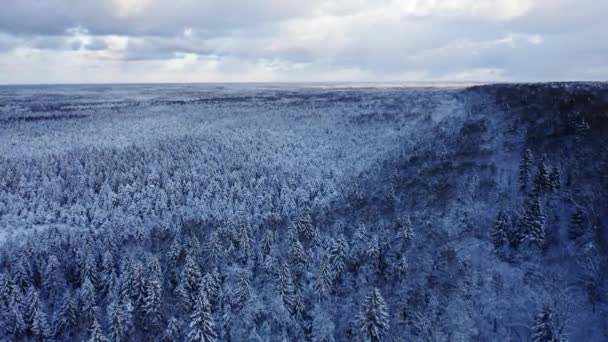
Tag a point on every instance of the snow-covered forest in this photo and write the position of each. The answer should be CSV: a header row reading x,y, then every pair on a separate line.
x,y
304,213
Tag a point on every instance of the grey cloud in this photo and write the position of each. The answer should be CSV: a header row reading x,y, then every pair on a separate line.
x,y
96,44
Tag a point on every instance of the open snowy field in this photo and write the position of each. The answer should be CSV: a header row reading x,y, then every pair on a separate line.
x,y
289,212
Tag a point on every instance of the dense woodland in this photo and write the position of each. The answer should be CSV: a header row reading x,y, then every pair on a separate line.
x,y
305,215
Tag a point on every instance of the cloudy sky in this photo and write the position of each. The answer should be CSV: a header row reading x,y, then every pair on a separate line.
x,y
76,41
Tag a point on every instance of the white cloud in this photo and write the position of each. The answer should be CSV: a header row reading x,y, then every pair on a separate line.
x,y
268,40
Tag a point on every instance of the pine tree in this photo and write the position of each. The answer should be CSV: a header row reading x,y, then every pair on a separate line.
x,y
202,326
542,182
120,318
338,251
286,288
40,325
96,335
306,228
108,274
244,289
299,308
267,242
190,281
52,279
373,318
172,331
245,241
576,228
502,228
152,302
67,316
324,280
32,305
211,286
406,230
214,250
297,256
87,301
544,329
524,169
373,250
533,223
555,179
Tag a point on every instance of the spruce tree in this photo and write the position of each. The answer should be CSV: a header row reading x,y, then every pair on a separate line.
x,y
172,331
244,289
533,223
286,288
524,169
406,230
152,303
373,318
96,335
542,182
87,301
338,251
190,281
40,325
108,274
120,318
544,329
576,228
299,308
502,228
324,280
555,179
67,317
267,242
297,256
306,228
202,326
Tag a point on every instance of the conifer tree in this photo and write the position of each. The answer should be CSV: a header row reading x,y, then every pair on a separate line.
x,y
286,288
544,329
40,325
542,182
52,279
299,308
373,250
214,249
190,281
172,331
554,179
152,302
306,228
267,242
406,230
202,325
32,305
87,301
338,251
108,274
373,318
502,228
96,335
120,318
533,223
244,290
297,256
576,228
324,280
524,169
67,316
211,287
